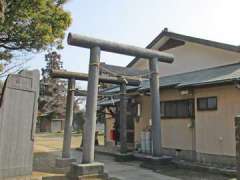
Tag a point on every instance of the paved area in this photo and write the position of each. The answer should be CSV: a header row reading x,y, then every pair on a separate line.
x,y
48,148
129,170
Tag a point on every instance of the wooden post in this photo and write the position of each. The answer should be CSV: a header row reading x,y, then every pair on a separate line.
x,y
237,136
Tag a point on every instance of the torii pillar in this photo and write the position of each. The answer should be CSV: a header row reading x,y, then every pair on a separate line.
x,y
123,119
91,106
155,107
66,158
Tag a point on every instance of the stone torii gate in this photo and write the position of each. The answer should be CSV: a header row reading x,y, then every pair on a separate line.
x,y
66,159
96,45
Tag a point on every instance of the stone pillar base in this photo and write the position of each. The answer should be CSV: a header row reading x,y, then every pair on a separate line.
x,y
122,157
92,177
64,162
152,162
87,171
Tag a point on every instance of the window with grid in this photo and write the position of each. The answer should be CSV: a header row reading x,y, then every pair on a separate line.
x,y
177,109
207,103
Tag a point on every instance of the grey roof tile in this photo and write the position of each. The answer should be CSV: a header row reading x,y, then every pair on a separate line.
x,y
208,76
213,75
124,71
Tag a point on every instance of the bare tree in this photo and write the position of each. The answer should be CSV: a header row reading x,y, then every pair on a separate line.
x,y
52,100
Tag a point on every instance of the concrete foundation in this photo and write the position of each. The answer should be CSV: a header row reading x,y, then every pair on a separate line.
x,y
64,162
86,171
203,158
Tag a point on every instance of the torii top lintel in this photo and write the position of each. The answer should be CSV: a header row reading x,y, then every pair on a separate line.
x,y
114,47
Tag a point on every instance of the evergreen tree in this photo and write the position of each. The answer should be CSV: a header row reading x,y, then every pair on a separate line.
x,y
30,26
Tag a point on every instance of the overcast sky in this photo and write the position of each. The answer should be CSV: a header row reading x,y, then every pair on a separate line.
x,y
138,22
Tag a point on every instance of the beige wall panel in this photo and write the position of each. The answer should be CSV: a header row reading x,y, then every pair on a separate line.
x,y
109,127
143,122
215,132
175,132
191,57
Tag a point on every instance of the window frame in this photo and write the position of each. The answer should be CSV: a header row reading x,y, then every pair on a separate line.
x,y
207,108
190,103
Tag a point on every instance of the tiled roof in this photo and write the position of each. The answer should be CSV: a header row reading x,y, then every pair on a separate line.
x,y
210,76
124,71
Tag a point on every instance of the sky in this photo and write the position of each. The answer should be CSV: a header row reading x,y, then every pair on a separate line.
x,y
138,22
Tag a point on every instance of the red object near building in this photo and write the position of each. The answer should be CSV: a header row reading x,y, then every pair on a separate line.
x,y
113,134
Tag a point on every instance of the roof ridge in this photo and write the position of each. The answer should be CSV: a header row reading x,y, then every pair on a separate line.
x,y
167,33
202,41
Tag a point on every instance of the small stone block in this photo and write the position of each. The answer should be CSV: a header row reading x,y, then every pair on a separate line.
x,y
64,162
81,170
